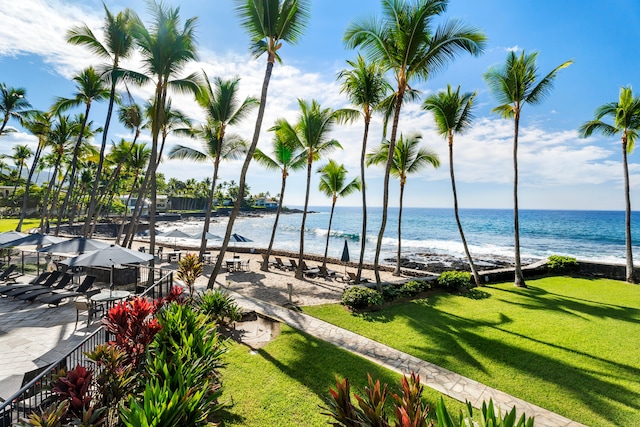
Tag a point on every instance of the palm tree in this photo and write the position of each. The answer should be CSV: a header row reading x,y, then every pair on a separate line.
x,y
269,24
136,159
223,107
404,43
310,133
39,124
165,49
13,104
515,84
89,88
366,88
21,153
625,115
286,157
118,45
215,149
408,158
333,184
453,114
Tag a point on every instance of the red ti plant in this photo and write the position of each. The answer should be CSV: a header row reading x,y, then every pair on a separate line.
x,y
74,387
176,294
133,326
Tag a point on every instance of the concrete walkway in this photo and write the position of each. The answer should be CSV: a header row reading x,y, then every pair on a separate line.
x,y
440,379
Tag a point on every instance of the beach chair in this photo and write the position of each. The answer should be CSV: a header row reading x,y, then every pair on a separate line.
x,y
13,291
32,295
281,265
310,272
329,274
293,265
10,274
353,279
36,281
41,278
83,289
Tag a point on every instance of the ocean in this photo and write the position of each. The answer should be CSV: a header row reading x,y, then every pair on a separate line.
x,y
587,235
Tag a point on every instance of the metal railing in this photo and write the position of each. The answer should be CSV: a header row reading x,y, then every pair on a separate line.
x,y
36,395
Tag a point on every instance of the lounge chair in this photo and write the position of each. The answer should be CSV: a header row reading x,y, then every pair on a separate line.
x,y
10,274
36,281
293,265
329,274
310,272
83,289
20,289
32,295
353,279
281,265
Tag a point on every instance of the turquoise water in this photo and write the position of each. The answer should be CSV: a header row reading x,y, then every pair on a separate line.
x,y
594,235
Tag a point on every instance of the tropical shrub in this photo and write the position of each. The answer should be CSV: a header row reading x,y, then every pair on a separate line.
x,y
457,280
219,306
561,264
360,297
181,372
189,269
73,386
488,417
414,287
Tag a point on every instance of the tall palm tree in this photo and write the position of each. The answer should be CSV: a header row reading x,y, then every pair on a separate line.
x,y
89,88
118,45
39,124
286,157
333,183
625,115
13,104
515,84
21,153
453,114
136,159
269,24
405,43
311,134
215,150
366,88
224,108
166,48
408,158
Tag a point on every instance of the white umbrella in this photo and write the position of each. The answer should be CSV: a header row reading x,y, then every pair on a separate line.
x,y
36,239
176,234
208,236
9,236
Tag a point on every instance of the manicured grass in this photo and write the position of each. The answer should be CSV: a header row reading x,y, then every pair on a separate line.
x,y
567,344
285,382
8,224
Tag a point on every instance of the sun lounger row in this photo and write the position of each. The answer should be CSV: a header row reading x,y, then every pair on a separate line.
x,y
49,288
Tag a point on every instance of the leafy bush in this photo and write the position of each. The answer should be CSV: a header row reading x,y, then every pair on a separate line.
x,y
414,287
561,264
390,292
189,269
488,417
455,280
361,297
219,306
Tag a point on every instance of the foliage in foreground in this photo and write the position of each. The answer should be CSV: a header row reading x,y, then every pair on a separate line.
x,y
359,297
161,368
408,408
455,280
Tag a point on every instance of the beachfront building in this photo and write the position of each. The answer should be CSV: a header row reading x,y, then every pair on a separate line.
x,y
263,202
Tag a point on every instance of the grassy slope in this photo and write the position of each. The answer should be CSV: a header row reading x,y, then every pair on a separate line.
x,y
569,345
284,384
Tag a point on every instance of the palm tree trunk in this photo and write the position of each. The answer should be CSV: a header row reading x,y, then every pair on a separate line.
x,y
126,211
326,246
299,271
25,199
74,162
519,277
363,233
15,187
44,219
94,190
137,210
397,271
207,215
385,194
627,199
472,266
243,172
265,262
4,123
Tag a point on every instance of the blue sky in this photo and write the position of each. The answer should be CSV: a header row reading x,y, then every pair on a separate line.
x,y
558,170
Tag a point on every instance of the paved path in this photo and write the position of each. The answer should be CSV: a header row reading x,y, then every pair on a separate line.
x,y
440,379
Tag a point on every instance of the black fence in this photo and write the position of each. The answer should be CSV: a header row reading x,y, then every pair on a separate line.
x,y
35,394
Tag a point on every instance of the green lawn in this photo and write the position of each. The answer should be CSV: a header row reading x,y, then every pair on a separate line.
x,y
569,345
8,224
285,382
